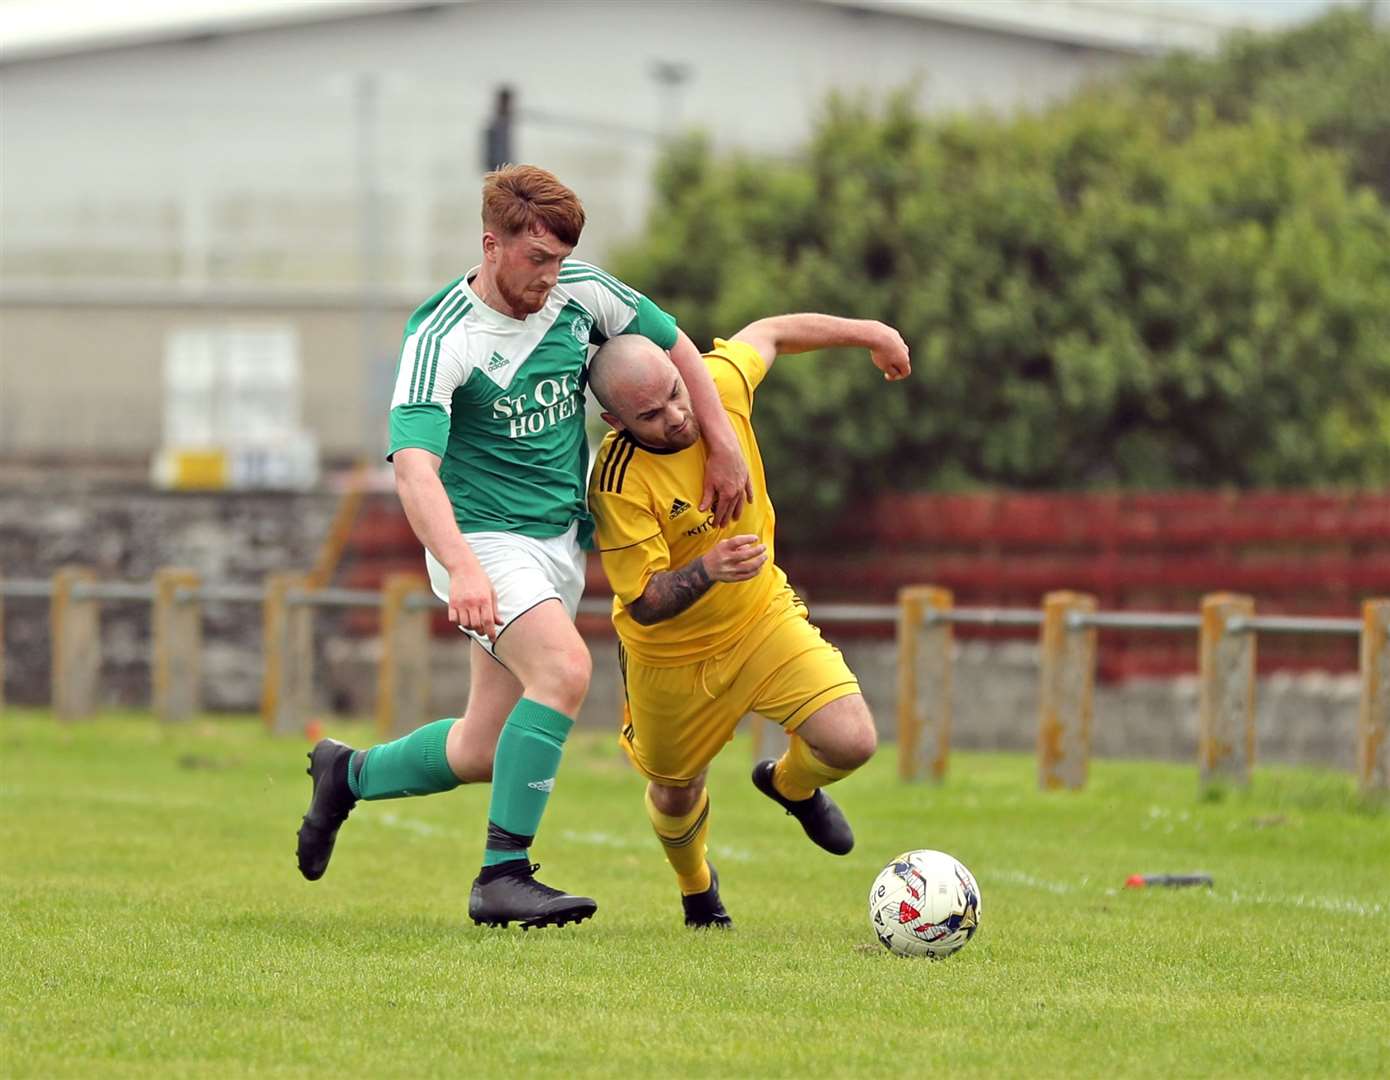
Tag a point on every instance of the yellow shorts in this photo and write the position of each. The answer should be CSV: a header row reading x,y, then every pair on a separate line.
x,y
678,718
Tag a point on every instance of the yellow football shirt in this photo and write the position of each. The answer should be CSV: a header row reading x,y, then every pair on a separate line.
x,y
645,504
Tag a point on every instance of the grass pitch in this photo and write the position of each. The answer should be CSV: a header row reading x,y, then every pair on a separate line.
x,y
154,925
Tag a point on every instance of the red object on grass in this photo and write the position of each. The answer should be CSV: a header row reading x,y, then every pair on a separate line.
x,y
1142,881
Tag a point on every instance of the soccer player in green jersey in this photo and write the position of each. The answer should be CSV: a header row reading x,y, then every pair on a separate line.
x,y
491,463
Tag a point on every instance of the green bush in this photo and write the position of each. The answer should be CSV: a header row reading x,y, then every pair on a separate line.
x,y
1118,292
1332,75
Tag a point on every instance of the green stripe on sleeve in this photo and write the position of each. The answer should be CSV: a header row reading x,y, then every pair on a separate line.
x,y
424,342
586,272
626,299
439,344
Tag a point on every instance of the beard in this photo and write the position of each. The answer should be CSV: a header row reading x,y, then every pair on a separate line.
x,y
686,437
520,300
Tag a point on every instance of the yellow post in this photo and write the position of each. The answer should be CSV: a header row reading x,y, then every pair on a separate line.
x,y
403,674
2,648
1226,740
924,683
1373,728
287,685
177,646
76,646
272,629
340,529
1067,692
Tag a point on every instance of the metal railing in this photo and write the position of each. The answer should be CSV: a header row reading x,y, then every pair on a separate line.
x,y
332,597
925,617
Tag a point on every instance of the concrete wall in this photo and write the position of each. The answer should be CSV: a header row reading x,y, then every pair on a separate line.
x,y
126,535
80,379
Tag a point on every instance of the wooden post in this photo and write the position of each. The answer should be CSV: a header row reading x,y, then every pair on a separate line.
x,y
1067,692
76,646
924,683
2,648
340,529
177,660
1373,729
403,673
287,686
1226,742
272,631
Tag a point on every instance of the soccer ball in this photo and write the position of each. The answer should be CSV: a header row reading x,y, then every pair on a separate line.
x,y
924,903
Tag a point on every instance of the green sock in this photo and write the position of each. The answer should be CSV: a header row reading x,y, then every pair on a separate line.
x,y
414,764
523,772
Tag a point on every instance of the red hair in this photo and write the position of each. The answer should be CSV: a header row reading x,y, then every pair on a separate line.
x,y
520,197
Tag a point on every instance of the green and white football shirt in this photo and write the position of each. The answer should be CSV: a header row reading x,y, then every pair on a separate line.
x,y
501,400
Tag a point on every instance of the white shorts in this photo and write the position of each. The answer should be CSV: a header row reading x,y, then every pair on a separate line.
x,y
524,572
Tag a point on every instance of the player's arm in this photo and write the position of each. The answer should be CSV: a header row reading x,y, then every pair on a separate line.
x,y
472,600
782,334
667,594
419,425
618,309
727,481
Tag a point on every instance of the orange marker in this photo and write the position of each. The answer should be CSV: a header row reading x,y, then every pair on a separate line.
x,y
1143,881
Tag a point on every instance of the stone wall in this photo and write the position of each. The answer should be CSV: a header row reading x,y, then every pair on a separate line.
x,y
126,534
1306,718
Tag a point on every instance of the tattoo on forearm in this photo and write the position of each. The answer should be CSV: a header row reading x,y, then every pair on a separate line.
x,y
668,594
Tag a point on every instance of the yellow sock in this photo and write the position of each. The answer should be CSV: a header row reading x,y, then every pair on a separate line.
x,y
799,772
684,840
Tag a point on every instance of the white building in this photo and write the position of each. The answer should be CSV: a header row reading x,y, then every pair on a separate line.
x,y
278,161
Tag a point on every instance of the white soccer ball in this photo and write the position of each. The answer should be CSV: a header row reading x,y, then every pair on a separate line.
x,y
924,903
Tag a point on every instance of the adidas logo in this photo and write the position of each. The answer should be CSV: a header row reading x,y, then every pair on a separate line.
x,y
679,507
497,361
543,785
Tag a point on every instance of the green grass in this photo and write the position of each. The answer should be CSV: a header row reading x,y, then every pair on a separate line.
x,y
154,925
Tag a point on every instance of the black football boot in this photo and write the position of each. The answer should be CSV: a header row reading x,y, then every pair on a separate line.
x,y
823,821
329,805
704,910
509,892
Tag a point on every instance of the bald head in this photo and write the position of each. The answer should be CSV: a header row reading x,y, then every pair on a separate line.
x,y
642,392
623,365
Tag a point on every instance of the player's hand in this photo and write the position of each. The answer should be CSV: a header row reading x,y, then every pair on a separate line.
x,y
472,600
727,485
890,355
736,559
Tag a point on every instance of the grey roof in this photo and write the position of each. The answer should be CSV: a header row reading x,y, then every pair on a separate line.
x,y
31,29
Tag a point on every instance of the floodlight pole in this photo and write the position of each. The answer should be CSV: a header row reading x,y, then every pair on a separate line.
x,y
671,77
497,136
368,108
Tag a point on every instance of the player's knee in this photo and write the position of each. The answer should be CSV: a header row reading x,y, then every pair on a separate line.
x,y
854,741
565,679
861,742
675,801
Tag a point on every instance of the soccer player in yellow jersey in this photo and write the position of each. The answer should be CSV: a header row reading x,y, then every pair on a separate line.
x,y
709,628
